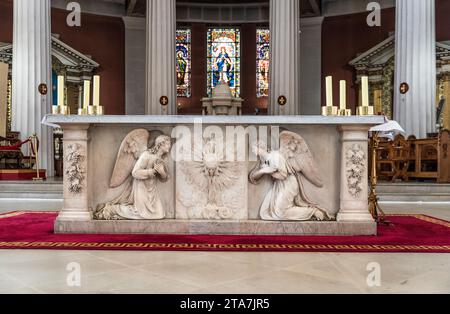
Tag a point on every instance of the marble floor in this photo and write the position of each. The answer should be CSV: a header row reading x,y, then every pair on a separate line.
x,y
229,273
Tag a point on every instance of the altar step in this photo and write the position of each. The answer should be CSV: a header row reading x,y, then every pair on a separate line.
x,y
414,192
30,195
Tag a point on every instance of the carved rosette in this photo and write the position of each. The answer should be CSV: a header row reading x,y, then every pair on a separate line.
x,y
356,164
75,171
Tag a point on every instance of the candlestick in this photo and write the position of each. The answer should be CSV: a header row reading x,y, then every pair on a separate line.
x,y
96,90
343,94
60,91
365,109
365,91
329,90
87,94
329,109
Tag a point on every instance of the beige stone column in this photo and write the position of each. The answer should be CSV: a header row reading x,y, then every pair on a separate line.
x,y
76,205
284,56
415,64
354,174
31,67
161,57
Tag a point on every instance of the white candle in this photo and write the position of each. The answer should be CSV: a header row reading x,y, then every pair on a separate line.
x,y
96,90
87,94
365,91
60,91
343,94
329,89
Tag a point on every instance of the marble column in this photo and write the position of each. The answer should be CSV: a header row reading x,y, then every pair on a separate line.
x,y
161,57
76,192
415,51
32,67
284,56
135,65
354,174
311,65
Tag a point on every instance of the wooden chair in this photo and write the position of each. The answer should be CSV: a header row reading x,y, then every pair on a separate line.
x,y
400,157
444,157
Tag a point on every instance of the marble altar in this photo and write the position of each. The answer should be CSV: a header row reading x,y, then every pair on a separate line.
x,y
281,175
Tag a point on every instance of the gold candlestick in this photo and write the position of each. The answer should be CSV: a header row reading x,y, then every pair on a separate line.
x,y
365,109
329,109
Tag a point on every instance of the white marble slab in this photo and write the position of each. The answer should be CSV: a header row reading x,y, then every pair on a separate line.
x,y
58,120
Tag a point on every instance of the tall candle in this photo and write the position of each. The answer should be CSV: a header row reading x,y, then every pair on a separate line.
x,y
86,93
343,94
96,90
60,91
365,91
329,89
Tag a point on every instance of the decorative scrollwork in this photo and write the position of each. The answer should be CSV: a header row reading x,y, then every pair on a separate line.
x,y
75,171
355,162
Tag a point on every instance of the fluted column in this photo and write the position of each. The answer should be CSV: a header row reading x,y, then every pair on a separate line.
x,y
31,67
161,49
284,56
416,66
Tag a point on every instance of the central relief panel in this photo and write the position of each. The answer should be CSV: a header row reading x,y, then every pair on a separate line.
x,y
209,187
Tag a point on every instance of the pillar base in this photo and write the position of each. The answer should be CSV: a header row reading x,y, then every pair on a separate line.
x,y
74,215
356,217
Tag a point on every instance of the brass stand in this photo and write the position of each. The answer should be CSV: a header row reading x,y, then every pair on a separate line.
x,y
374,208
345,112
34,144
330,111
365,111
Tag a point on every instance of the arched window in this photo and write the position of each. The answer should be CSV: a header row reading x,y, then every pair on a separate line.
x,y
224,58
262,62
183,62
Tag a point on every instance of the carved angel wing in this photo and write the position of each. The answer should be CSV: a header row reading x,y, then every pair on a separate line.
x,y
297,153
228,173
134,144
193,172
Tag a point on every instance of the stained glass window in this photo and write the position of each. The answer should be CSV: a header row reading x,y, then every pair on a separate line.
x,y
184,63
224,58
262,62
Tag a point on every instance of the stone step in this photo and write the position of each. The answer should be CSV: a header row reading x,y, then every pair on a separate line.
x,y
413,192
413,188
29,195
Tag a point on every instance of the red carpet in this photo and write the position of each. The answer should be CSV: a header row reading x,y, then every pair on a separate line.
x,y
409,233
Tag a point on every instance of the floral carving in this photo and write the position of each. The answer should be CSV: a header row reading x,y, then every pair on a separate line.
x,y
356,164
75,171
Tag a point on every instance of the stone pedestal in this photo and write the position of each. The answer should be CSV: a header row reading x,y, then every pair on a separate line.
x,y
76,193
354,175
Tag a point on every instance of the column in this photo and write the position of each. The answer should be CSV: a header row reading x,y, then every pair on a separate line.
x,y
135,65
354,174
32,67
161,55
284,56
311,65
415,51
76,204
